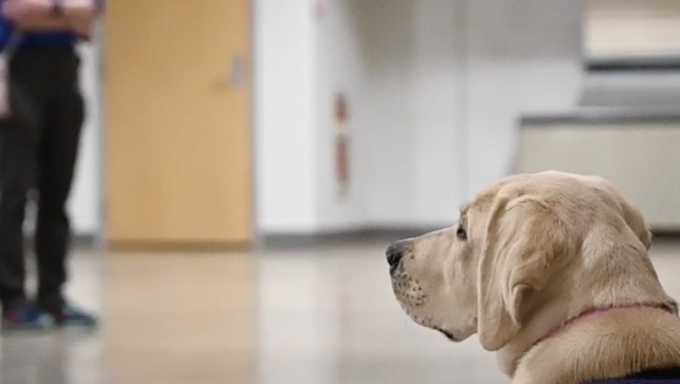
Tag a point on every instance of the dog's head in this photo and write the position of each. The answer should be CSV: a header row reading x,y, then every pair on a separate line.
x,y
486,274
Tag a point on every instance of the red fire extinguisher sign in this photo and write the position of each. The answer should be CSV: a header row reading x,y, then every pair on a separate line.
x,y
341,144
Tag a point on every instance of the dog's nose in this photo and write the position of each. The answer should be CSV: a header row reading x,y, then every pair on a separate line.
x,y
394,254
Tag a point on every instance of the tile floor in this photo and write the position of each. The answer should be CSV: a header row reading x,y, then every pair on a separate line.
x,y
298,317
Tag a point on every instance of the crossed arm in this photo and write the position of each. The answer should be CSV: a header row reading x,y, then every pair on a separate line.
x,y
41,15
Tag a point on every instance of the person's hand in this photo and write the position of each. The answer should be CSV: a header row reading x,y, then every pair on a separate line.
x,y
82,28
20,10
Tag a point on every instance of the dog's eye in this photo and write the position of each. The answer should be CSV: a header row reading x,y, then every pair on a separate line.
x,y
461,234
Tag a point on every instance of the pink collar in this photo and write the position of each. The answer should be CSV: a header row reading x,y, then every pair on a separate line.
x,y
595,311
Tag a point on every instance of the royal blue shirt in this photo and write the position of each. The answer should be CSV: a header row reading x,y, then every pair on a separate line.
x,y
46,39
5,32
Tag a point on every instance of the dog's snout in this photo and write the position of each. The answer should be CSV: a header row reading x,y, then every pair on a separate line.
x,y
394,253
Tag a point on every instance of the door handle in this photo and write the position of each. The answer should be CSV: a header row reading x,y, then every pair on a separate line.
x,y
237,72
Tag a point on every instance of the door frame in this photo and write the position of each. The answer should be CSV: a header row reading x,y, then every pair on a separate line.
x,y
102,238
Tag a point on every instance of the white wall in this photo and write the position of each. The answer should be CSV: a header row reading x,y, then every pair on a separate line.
x,y
441,85
441,156
285,129
400,67
415,65
525,56
388,138
86,197
339,68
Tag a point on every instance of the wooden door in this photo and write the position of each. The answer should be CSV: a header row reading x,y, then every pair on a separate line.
x,y
178,122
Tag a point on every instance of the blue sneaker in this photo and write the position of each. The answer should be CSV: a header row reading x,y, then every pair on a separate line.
x,y
72,316
26,316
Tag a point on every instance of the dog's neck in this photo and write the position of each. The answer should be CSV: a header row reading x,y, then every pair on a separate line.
x,y
541,357
598,311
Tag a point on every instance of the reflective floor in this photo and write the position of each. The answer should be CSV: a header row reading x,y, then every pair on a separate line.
x,y
302,317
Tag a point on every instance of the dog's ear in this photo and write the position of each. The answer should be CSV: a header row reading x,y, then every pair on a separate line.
x,y
631,215
635,221
524,236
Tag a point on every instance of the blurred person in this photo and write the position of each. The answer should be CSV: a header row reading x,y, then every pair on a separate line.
x,y
41,118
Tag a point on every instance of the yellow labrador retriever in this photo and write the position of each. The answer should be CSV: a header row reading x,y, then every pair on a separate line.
x,y
551,271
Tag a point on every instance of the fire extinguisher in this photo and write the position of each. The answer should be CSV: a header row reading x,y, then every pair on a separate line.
x,y
341,145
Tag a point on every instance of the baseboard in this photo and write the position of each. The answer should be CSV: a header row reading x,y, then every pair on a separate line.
x,y
665,236
78,242
178,246
367,235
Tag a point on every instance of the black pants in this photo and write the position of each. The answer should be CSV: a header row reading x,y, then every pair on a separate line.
x,y
38,151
